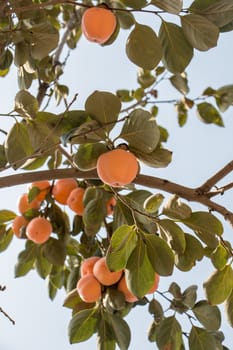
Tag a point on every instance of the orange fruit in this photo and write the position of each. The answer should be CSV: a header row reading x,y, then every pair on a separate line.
x,y
87,265
155,285
24,205
104,275
117,167
98,24
75,200
62,189
43,186
18,223
89,289
110,205
122,287
39,230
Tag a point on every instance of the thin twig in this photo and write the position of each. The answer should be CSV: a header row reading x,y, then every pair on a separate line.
x,y
7,316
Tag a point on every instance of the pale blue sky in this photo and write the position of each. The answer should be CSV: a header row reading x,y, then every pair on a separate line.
x,y
199,151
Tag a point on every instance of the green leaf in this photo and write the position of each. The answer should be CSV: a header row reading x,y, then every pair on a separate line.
x,y
21,53
219,285
173,234
200,339
171,6
6,237
159,158
224,97
180,82
177,52
82,325
153,203
219,257
139,272
208,114
193,251
18,145
160,254
169,334
26,104
208,315
42,265
26,260
54,251
205,222
88,154
105,335
189,296
200,32
43,38
6,215
156,309
123,242
143,47
176,209
104,107
229,308
220,12
125,18
94,212
121,331
135,3
141,131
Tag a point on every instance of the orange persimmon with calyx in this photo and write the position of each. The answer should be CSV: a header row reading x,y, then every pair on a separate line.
x,y
98,24
89,289
18,223
24,204
87,265
122,287
43,187
104,275
117,167
39,230
62,189
75,200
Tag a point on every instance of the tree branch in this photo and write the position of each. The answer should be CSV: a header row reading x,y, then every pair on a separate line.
x,y
190,194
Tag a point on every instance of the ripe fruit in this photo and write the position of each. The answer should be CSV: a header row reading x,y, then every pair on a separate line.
x,y
104,275
43,186
62,189
87,265
155,285
24,205
18,223
89,289
75,200
38,230
117,167
98,24
110,205
122,287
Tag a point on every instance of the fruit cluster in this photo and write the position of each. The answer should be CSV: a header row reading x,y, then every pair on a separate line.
x,y
38,228
95,276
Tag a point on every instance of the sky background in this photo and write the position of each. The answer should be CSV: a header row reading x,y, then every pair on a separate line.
x,y
199,150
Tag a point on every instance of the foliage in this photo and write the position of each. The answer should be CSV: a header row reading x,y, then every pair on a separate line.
x,y
143,234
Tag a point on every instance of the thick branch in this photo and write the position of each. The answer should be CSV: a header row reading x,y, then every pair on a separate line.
x,y
190,194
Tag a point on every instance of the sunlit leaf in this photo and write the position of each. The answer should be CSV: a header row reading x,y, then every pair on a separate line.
x,y
123,242
176,209
174,235
204,221
180,82
159,158
229,308
26,104
209,114
87,155
224,97
219,285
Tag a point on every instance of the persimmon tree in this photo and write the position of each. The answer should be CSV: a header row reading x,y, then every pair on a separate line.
x,y
149,227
